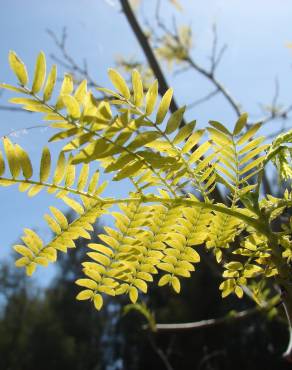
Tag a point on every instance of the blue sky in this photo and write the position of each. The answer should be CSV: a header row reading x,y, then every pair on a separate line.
x,y
257,33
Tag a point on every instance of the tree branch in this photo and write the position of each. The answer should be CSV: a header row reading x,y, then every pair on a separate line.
x,y
203,324
149,54
153,63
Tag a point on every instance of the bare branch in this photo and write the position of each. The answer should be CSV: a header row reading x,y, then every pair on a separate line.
x,y
23,131
149,54
203,99
210,76
14,109
203,324
68,61
163,356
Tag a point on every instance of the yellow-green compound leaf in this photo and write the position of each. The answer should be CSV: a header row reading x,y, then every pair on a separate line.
x,y
45,166
24,161
72,106
73,204
12,88
238,291
128,170
66,89
2,164
198,153
13,162
98,301
53,225
30,269
133,294
81,92
240,124
151,97
220,127
184,132
83,177
59,216
18,67
140,284
84,295
164,106
175,283
142,139
175,120
70,175
165,279
31,105
60,169
39,73
249,134
137,85
119,83
192,141
87,283
50,84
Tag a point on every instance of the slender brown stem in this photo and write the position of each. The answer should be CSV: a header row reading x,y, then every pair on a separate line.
x,y
148,52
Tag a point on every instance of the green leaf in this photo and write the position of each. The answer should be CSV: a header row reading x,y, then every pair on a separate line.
x,y
129,170
137,85
151,97
199,152
249,134
66,89
119,83
220,127
240,124
72,106
175,284
81,91
39,73
142,139
2,164
92,151
18,67
45,166
192,141
184,132
50,84
84,295
165,279
73,204
12,88
24,161
164,106
13,162
175,120
133,294
98,301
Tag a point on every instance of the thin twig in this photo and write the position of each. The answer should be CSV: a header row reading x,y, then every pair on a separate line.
x,y
68,61
159,352
13,109
144,43
203,99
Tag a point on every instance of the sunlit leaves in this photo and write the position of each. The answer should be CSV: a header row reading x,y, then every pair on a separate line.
x,y
50,83
175,120
160,228
164,106
137,88
39,73
18,67
119,83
